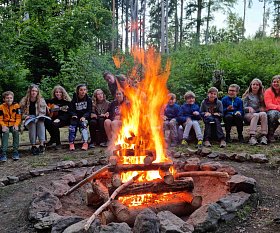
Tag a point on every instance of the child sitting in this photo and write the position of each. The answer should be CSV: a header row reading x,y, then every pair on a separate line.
x,y
189,117
171,112
80,109
212,112
10,119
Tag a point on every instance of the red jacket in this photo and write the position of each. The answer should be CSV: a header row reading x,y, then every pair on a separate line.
x,y
271,101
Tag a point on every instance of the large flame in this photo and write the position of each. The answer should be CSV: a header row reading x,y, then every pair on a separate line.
x,y
142,123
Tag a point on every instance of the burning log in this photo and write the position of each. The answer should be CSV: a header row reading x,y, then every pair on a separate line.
x,y
88,179
158,186
202,173
131,152
116,180
92,198
101,190
166,176
107,217
107,203
149,158
113,160
140,167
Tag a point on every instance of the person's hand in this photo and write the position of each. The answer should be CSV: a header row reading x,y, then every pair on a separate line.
x,y
56,121
238,113
15,127
188,120
5,129
26,118
230,107
106,114
216,114
196,113
82,119
251,110
207,114
164,118
93,115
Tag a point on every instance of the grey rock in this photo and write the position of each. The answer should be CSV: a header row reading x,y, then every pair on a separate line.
x,y
103,161
191,151
170,223
239,183
2,184
79,227
60,187
65,164
259,158
79,174
24,176
226,168
179,165
69,179
224,156
82,163
146,222
242,157
47,222
205,151
13,179
234,201
177,155
116,228
205,218
41,171
43,204
4,180
213,155
192,164
232,156
210,166
62,223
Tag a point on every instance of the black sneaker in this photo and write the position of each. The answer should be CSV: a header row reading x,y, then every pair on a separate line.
x,y
228,139
50,143
41,149
34,150
241,139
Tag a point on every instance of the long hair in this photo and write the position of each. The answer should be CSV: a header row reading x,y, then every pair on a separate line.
x,y
65,95
272,88
94,97
260,91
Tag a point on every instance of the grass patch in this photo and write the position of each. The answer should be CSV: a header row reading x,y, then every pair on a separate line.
x,y
244,212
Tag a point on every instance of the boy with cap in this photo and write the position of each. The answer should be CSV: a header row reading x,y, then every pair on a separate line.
x,y
189,117
10,119
212,112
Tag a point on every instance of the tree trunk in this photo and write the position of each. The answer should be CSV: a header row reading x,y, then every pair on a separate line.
x,y
207,23
126,26
198,20
181,22
176,27
113,26
166,27
144,24
244,17
162,27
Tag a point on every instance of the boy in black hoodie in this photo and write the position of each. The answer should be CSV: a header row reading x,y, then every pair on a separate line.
x,y
80,109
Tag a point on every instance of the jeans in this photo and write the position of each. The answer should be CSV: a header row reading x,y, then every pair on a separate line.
x,y
74,124
36,129
273,121
196,127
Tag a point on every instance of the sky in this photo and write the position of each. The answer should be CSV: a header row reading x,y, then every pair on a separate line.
x,y
253,17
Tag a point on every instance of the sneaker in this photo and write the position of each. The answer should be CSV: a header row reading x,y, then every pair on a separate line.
x,y
223,144
41,149
207,144
199,144
184,142
263,140
253,141
34,150
228,139
58,146
50,143
104,144
71,147
91,145
3,158
85,146
15,156
241,139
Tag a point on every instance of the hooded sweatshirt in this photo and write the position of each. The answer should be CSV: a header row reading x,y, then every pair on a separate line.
x,y
80,107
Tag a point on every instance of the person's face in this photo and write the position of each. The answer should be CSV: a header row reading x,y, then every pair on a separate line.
x,y
232,92
255,86
212,96
172,101
276,84
34,92
99,95
82,92
58,94
119,96
9,99
110,78
190,100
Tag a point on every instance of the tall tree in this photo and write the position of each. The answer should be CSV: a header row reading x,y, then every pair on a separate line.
x,y
245,6
276,19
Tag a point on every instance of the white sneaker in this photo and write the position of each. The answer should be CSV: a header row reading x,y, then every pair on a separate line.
x,y
263,140
253,141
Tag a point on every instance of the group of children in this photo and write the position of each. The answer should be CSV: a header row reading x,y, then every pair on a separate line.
x,y
104,118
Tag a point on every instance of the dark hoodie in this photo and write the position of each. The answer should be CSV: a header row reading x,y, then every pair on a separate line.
x,y
80,107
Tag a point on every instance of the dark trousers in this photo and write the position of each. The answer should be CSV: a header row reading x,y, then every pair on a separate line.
x,y
216,125
234,120
53,129
94,125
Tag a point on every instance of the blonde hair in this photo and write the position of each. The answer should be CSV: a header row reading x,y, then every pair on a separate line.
x,y
249,89
6,93
65,95
94,96
272,88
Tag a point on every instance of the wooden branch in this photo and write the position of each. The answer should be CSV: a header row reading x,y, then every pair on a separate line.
x,y
107,203
166,176
158,186
86,180
202,173
140,167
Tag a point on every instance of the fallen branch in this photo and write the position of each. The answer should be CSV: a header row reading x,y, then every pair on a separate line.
x,y
107,203
202,173
86,180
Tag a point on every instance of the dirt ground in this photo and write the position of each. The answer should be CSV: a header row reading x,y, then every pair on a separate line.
x,y
260,217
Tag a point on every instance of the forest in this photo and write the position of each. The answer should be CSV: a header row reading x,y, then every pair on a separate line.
x,y
50,42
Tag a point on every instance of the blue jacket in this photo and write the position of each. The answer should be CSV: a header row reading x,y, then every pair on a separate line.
x,y
236,102
172,111
187,112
